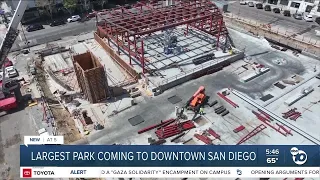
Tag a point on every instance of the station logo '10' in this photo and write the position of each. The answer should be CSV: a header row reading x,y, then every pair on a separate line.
x,y
298,156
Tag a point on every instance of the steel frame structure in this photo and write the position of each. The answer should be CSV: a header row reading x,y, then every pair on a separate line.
x,y
126,27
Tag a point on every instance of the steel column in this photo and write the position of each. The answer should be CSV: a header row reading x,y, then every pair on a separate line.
x,y
129,44
142,57
127,23
219,31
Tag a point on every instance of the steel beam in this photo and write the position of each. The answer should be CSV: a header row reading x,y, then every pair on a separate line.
x,y
121,24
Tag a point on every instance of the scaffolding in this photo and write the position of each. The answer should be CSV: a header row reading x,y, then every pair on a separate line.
x,y
127,26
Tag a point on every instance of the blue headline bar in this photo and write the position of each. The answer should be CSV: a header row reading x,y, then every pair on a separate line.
x,y
166,156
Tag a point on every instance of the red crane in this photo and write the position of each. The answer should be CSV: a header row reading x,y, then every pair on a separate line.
x,y
10,88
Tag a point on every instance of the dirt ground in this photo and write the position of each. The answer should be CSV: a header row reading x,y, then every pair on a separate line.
x,y
65,123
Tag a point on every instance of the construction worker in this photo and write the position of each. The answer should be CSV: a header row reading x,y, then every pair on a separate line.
x,y
201,111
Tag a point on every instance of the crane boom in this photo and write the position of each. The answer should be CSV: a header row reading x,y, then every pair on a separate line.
x,y
9,39
12,31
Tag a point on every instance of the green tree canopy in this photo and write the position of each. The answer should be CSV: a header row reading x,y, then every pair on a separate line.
x,y
47,5
70,5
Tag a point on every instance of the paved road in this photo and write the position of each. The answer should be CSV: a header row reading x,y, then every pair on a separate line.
x,y
72,28
276,20
50,34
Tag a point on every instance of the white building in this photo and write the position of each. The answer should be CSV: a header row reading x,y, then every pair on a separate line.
x,y
302,6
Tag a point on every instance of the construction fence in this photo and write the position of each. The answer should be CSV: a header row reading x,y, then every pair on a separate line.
x,y
306,43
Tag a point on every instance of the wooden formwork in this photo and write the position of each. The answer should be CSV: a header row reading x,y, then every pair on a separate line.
x,y
91,77
115,56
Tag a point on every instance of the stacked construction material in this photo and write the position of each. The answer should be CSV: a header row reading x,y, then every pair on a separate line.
x,y
291,114
174,129
221,110
161,124
214,134
264,118
204,139
238,129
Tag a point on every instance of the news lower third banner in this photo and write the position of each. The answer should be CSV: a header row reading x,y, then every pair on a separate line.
x,y
169,156
101,161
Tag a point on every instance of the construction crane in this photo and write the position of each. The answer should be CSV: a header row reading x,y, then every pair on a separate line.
x,y
9,86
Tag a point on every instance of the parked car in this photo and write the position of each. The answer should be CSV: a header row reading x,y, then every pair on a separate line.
x,y
286,13
267,8
297,16
308,18
242,2
34,27
276,10
250,4
91,15
74,18
11,72
259,6
57,23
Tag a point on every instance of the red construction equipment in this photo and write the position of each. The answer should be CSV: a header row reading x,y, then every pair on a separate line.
x,y
264,120
8,104
295,116
289,113
252,133
10,94
238,129
155,126
174,129
259,116
284,129
204,139
197,100
228,100
265,114
214,134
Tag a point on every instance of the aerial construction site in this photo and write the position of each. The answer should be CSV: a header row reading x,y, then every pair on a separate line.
x,y
169,72
173,72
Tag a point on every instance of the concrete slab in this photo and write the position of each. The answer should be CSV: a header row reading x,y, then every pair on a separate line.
x,y
115,74
58,62
166,68
158,108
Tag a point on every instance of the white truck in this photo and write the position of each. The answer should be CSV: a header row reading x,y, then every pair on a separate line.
x,y
74,18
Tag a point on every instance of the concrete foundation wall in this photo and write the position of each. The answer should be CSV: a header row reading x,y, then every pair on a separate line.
x,y
115,57
202,72
91,77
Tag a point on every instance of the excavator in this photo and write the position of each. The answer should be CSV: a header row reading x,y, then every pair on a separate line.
x,y
10,93
198,100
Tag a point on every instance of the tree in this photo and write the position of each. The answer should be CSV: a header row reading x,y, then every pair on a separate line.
x,y
70,5
86,5
100,3
47,5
